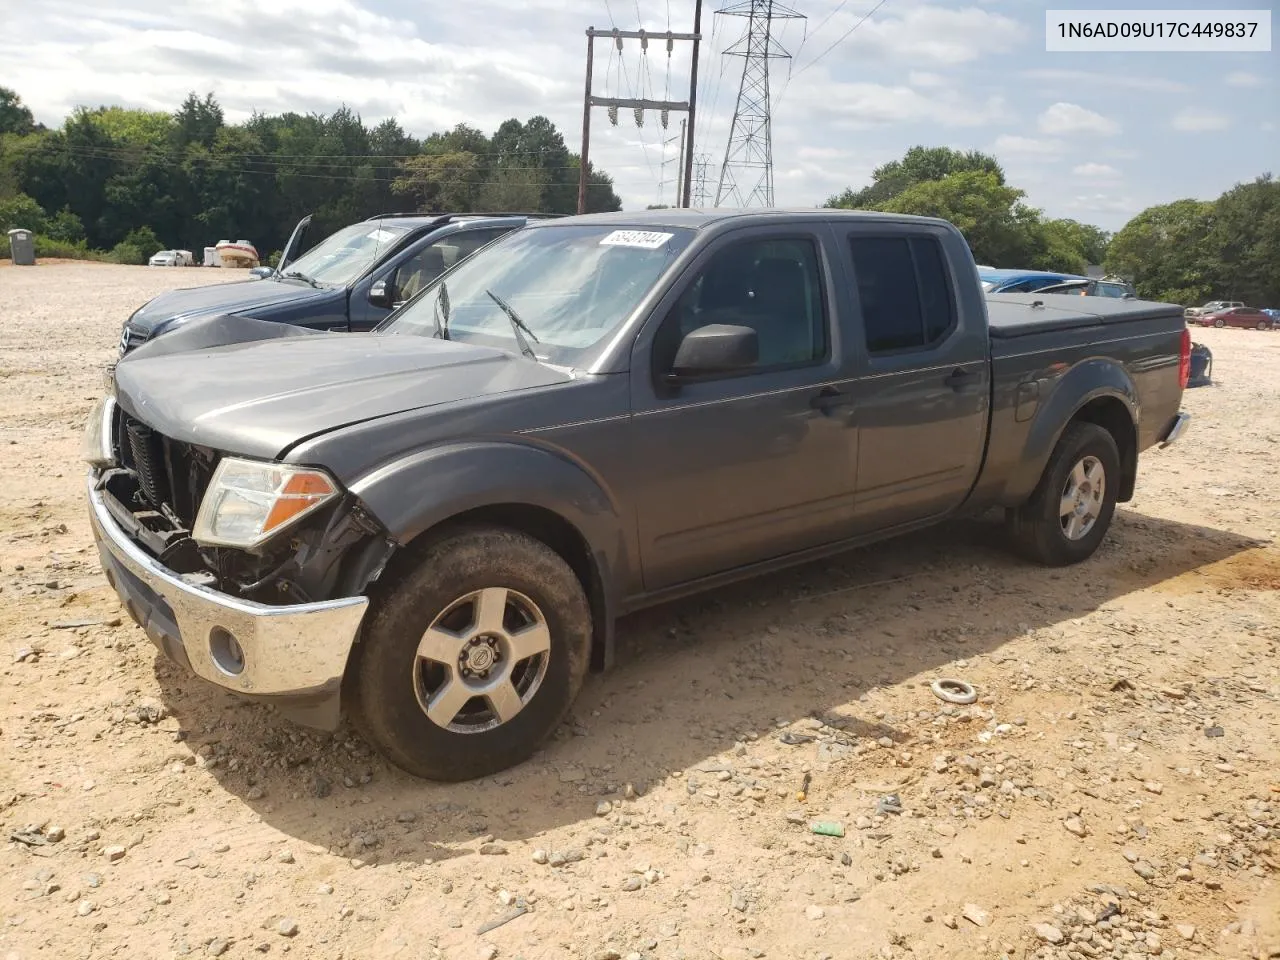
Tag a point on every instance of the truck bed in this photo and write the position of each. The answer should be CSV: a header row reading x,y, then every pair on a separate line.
x,y
1012,315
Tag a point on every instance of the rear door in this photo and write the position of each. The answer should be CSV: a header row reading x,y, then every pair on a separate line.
x,y
923,396
734,469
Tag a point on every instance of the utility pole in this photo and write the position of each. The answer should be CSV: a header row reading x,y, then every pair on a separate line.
x,y
681,200
748,155
638,105
693,99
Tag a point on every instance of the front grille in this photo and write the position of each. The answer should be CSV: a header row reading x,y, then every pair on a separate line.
x,y
170,473
131,338
146,448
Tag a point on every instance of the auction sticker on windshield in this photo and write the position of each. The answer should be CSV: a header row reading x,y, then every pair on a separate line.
x,y
644,239
381,236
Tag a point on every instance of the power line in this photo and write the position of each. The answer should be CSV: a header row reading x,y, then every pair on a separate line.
x,y
843,37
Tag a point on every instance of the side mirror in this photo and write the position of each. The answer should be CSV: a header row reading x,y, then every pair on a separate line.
x,y
382,294
716,348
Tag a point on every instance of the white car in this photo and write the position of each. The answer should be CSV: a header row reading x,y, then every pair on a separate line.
x,y
171,258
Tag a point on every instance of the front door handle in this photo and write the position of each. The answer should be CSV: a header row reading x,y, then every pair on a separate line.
x,y
958,378
828,399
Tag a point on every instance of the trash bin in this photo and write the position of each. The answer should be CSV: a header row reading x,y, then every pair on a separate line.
x,y
22,248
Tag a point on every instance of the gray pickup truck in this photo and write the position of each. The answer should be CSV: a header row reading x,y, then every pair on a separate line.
x,y
436,524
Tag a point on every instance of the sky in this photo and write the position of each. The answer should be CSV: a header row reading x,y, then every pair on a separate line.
x,y
1093,136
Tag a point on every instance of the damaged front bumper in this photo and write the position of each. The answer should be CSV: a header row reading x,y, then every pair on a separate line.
x,y
293,656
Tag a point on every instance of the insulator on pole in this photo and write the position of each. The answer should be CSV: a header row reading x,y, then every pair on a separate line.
x,y
639,112
616,38
664,118
671,44
613,115
644,39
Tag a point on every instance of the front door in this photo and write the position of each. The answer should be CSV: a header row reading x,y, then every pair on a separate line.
x,y
744,467
924,396
410,271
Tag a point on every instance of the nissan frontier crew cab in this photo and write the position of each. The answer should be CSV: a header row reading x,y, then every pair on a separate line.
x,y
434,526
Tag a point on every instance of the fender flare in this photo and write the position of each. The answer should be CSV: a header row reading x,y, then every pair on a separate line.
x,y
1084,383
417,492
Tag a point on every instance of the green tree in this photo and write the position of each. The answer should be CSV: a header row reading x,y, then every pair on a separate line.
x,y
998,226
1163,251
22,213
14,116
441,182
919,165
1244,243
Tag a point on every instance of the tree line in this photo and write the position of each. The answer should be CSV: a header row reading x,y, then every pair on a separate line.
x,y
130,182
1185,252
125,183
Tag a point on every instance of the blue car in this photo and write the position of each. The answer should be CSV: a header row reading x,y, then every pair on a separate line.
x,y
1021,281
349,281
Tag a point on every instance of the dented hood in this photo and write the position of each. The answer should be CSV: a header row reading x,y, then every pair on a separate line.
x,y
259,398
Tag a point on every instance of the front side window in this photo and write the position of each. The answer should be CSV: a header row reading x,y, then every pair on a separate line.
x,y
904,292
772,286
572,286
342,256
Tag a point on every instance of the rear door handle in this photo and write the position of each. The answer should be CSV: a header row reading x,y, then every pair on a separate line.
x,y
958,378
828,399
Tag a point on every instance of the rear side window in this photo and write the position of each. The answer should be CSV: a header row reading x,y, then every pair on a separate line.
x,y
904,292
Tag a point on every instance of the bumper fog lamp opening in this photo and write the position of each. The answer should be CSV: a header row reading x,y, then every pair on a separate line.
x,y
225,651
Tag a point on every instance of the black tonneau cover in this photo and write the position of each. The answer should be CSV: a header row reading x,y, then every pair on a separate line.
x,y
1018,314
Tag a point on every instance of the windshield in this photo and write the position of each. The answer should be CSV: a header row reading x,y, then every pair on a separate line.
x,y
572,286
341,257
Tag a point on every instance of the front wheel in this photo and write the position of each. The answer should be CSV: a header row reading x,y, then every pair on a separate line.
x,y
1264,325
1219,323
473,656
1071,508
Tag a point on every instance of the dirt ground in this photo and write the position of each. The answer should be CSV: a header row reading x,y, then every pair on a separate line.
x,y
1115,792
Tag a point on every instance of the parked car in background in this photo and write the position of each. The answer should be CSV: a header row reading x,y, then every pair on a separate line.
x,y
1213,306
350,281
435,525
1273,314
1021,281
1248,317
1106,287
172,258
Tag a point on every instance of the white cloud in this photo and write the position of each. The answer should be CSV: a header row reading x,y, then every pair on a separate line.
x,y
847,106
920,33
1096,171
1196,120
1012,145
1065,119
1103,203
1057,79
1241,79
925,80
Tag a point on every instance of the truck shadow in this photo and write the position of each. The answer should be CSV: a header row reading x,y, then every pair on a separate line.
x,y
694,675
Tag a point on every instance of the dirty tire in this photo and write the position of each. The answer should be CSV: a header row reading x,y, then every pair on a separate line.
x,y
385,701
1219,323
1035,528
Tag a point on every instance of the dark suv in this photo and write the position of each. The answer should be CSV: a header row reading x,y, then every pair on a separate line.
x,y
350,281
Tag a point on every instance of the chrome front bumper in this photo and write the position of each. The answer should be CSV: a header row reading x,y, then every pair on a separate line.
x,y
1176,428
294,652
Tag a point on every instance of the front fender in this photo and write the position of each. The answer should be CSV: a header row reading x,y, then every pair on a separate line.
x,y
421,490
1080,385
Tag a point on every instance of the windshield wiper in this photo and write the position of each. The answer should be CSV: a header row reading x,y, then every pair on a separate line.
x,y
517,325
299,275
442,330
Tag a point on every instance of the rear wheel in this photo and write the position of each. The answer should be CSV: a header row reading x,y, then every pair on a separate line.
x,y
473,657
1071,508
1219,323
1264,325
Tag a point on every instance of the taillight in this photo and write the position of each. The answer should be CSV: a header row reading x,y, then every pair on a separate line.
x,y
1184,360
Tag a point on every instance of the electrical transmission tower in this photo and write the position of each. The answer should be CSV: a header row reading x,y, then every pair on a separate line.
x,y
701,184
746,176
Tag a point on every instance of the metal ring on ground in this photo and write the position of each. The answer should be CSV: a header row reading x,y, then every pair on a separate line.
x,y
954,691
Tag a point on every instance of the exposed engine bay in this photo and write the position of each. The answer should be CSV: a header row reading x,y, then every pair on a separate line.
x,y
155,492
